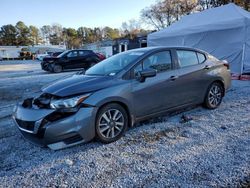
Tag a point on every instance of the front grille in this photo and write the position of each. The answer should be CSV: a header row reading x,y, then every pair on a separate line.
x,y
73,139
57,116
27,125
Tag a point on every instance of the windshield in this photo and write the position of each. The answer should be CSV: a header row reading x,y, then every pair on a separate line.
x,y
114,64
62,54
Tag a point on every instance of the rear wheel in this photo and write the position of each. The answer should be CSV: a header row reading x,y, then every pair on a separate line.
x,y
111,123
57,68
214,96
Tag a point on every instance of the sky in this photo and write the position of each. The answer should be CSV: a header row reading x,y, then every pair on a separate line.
x,y
71,13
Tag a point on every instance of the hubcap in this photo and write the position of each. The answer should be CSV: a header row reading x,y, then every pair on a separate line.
x,y
111,123
215,95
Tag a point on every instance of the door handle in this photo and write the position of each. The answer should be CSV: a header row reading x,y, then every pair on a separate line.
x,y
207,67
173,77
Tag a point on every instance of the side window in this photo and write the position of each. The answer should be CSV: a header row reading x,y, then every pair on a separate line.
x,y
160,61
83,53
201,57
72,54
187,58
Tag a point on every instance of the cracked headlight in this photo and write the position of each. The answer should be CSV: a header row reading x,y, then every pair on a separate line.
x,y
68,102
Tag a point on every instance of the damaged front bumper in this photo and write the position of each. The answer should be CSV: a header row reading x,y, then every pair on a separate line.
x,y
46,66
57,130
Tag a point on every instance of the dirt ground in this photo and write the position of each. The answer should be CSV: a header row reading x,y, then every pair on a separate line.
x,y
211,150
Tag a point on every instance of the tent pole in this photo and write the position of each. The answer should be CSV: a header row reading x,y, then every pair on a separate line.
x,y
243,51
242,59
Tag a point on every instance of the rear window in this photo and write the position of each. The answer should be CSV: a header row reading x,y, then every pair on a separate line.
x,y
187,58
72,54
84,53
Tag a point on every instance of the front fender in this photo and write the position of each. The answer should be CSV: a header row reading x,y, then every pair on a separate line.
x,y
119,94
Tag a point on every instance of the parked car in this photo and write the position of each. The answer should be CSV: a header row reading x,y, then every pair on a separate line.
x,y
71,59
40,57
118,92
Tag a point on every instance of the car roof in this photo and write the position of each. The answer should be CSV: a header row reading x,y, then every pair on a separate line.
x,y
156,48
81,50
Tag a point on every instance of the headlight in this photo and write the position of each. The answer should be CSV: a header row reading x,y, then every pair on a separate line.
x,y
68,103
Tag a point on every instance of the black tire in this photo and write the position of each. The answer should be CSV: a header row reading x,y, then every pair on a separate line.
x,y
57,68
214,96
108,132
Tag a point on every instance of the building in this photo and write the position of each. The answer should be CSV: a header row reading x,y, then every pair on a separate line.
x,y
124,44
112,47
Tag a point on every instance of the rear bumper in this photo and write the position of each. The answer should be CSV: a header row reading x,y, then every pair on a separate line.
x,y
67,130
227,80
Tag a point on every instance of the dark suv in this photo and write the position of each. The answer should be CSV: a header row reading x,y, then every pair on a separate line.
x,y
71,59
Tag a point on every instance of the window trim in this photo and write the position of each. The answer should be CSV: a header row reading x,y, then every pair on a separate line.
x,y
197,52
173,66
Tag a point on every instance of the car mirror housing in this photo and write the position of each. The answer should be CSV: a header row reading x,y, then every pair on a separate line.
x,y
147,73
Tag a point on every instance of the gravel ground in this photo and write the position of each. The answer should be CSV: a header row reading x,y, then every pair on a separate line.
x,y
211,150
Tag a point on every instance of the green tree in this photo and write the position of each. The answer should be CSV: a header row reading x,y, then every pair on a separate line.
x,y
34,35
56,34
8,35
83,34
110,33
71,38
46,32
23,34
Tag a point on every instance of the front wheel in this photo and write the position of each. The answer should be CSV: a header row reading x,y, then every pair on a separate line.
x,y
111,123
214,96
57,68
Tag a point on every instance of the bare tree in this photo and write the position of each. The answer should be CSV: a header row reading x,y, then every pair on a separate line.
x,y
131,28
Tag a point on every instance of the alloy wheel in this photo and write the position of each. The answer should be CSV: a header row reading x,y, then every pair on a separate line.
x,y
215,96
111,123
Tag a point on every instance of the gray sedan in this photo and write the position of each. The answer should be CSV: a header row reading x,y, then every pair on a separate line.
x,y
120,91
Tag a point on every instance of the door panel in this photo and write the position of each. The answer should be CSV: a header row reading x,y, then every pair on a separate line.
x,y
71,61
82,60
192,77
155,94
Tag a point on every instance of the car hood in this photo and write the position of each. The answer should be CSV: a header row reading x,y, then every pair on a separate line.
x,y
79,84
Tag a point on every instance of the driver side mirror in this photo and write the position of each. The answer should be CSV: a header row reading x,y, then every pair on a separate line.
x,y
147,73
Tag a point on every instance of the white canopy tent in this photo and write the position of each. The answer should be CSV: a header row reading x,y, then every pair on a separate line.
x,y
223,32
